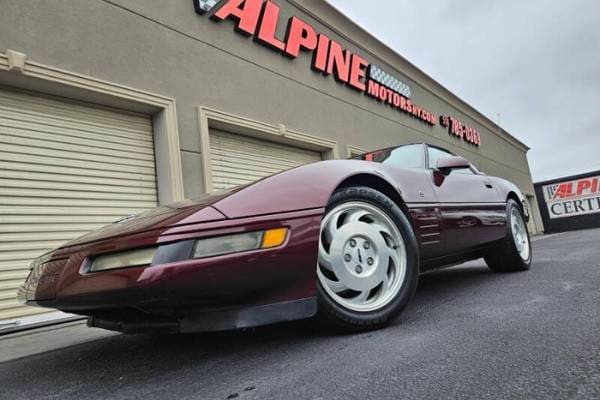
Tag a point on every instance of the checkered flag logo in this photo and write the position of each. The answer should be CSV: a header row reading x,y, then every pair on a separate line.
x,y
551,191
379,75
204,6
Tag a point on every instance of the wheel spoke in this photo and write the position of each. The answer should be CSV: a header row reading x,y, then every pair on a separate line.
x,y
387,254
382,229
325,259
385,285
336,286
357,215
331,227
361,298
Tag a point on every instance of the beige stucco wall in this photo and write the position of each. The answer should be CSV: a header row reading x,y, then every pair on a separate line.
x,y
164,47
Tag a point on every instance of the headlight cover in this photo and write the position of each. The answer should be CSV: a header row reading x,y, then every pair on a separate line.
x,y
218,246
27,290
202,248
124,259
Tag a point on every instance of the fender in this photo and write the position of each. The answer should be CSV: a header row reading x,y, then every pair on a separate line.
x,y
306,187
505,188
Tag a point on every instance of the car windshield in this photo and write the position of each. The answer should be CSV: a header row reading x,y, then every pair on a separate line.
x,y
408,156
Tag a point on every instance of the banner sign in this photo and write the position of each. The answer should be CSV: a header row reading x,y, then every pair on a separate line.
x,y
259,19
577,197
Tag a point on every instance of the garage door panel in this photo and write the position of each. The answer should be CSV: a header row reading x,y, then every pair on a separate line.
x,y
68,149
244,177
70,194
258,146
49,160
230,182
10,285
227,169
46,186
76,174
59,109
238,160
52,223
74,130
36,236
68,156
14,265
12,249
76,179
21,311
139,126
251,158
72,228
75,136
248,169
275,156
43,213
27,254
278,152
233,158
8,294
61,202
66,168
7,304
13,275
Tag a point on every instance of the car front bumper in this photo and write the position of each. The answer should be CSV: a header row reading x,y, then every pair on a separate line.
x,y
188,293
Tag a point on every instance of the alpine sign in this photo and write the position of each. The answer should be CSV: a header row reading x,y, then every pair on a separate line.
x,y
577,197
259,19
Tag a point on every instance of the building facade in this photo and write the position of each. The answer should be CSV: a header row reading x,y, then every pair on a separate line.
x,y
570,203
108,108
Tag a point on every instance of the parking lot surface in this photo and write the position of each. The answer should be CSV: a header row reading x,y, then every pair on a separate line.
x,y
468,333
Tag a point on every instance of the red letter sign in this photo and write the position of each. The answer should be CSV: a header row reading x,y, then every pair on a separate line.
x,y
245,12
268,27
339,62
300,35
358,71
319,62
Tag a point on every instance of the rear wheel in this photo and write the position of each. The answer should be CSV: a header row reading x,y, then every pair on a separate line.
x,y
514,252
368,260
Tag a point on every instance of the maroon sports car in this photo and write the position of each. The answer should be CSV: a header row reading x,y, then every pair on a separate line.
x,y
346,239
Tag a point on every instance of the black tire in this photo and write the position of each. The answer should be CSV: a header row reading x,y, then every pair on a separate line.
x,y
505,256
349,321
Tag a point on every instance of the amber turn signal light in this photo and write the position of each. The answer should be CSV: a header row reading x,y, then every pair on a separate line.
x,y
274,238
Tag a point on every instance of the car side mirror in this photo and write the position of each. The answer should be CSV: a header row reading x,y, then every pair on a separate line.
x,y
447,164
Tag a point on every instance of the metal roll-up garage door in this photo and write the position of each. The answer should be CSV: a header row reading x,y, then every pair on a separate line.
x,y
238,160
65,168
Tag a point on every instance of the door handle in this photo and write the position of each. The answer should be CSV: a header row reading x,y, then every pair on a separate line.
x,y
489,186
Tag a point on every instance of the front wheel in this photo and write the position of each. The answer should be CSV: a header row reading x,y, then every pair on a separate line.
x,y
513,254
368,260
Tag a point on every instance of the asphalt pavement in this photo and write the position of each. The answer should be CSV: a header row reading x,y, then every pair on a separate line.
x,y
468,333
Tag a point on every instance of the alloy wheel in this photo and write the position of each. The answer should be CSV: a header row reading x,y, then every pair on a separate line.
x,y
362,257
519,232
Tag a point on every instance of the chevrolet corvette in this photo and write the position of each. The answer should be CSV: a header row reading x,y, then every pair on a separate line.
x,y
342,239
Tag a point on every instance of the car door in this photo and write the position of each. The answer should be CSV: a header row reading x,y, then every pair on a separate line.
x,y
472,210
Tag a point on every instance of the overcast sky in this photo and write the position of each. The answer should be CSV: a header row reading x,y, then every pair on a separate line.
x,y
536,63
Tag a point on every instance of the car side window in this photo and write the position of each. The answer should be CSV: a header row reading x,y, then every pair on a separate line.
x,y
409,156
434,154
